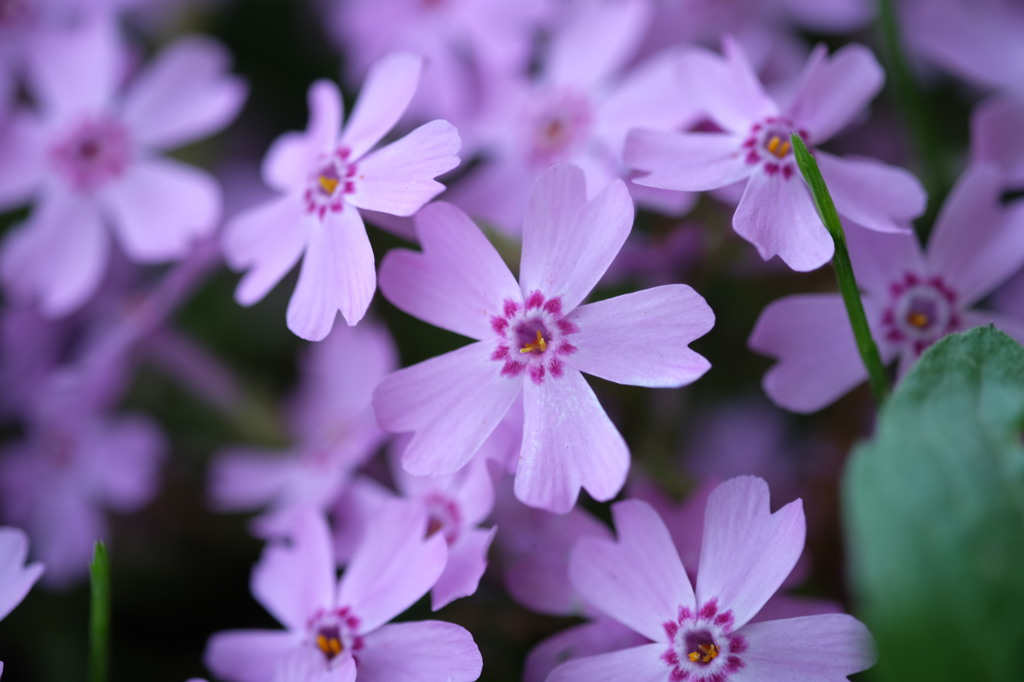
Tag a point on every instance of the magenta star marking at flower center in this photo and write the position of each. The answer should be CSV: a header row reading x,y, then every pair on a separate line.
x,y
921,311
702,646
768,146
328,185
92,152
533,337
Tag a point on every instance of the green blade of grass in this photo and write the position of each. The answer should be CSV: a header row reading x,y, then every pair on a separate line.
x,y
844,271
99,614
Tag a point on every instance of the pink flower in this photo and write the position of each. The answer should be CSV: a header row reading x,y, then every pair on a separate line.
x,y
533,339
339,631
776,212
578,109
90,159
456,505
334,429
912,299
324,178
466,43
705,634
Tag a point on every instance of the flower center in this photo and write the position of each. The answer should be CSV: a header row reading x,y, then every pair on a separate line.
x,y
921,311
328,641
557,124
767,145
442,517
92,153
330,182
702,646
333,633
539,331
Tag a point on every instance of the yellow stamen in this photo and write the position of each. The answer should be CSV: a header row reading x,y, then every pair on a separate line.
x,y
329,646
773,144
705,653
778,147
919,320
328,184
540,345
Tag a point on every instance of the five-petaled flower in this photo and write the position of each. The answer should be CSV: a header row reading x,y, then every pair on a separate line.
x,y
534,339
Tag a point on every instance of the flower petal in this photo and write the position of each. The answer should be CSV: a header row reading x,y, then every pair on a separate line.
x,y
589,639
778,217
399,178
293,581
808,649
23,161
685,161
568,442
811,338
248,655
747,551
639,664
871,193
59,256
728,88
246,478
160,206
568,242
16,579
267,240
997,136
184,94
459,281
596,43
833,90
1010,325
976,243
375,585
337,274
387,91
641,338
72,71
427,651
293,156
467,561
638,580
467,398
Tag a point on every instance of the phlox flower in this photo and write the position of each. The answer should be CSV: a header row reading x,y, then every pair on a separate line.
x,y
73,466
334,429
337,630
324,178
577,109
776,213
911,298
466,44
705,632
533,340
456,505
89,157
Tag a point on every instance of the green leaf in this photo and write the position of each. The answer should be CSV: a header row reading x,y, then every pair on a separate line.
x,y
935,516
99,614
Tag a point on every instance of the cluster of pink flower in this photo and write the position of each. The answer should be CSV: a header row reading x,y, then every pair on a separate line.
x,y
573,113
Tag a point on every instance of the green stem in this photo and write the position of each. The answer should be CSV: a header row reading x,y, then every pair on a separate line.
x,y
910,101
844,271
99,614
